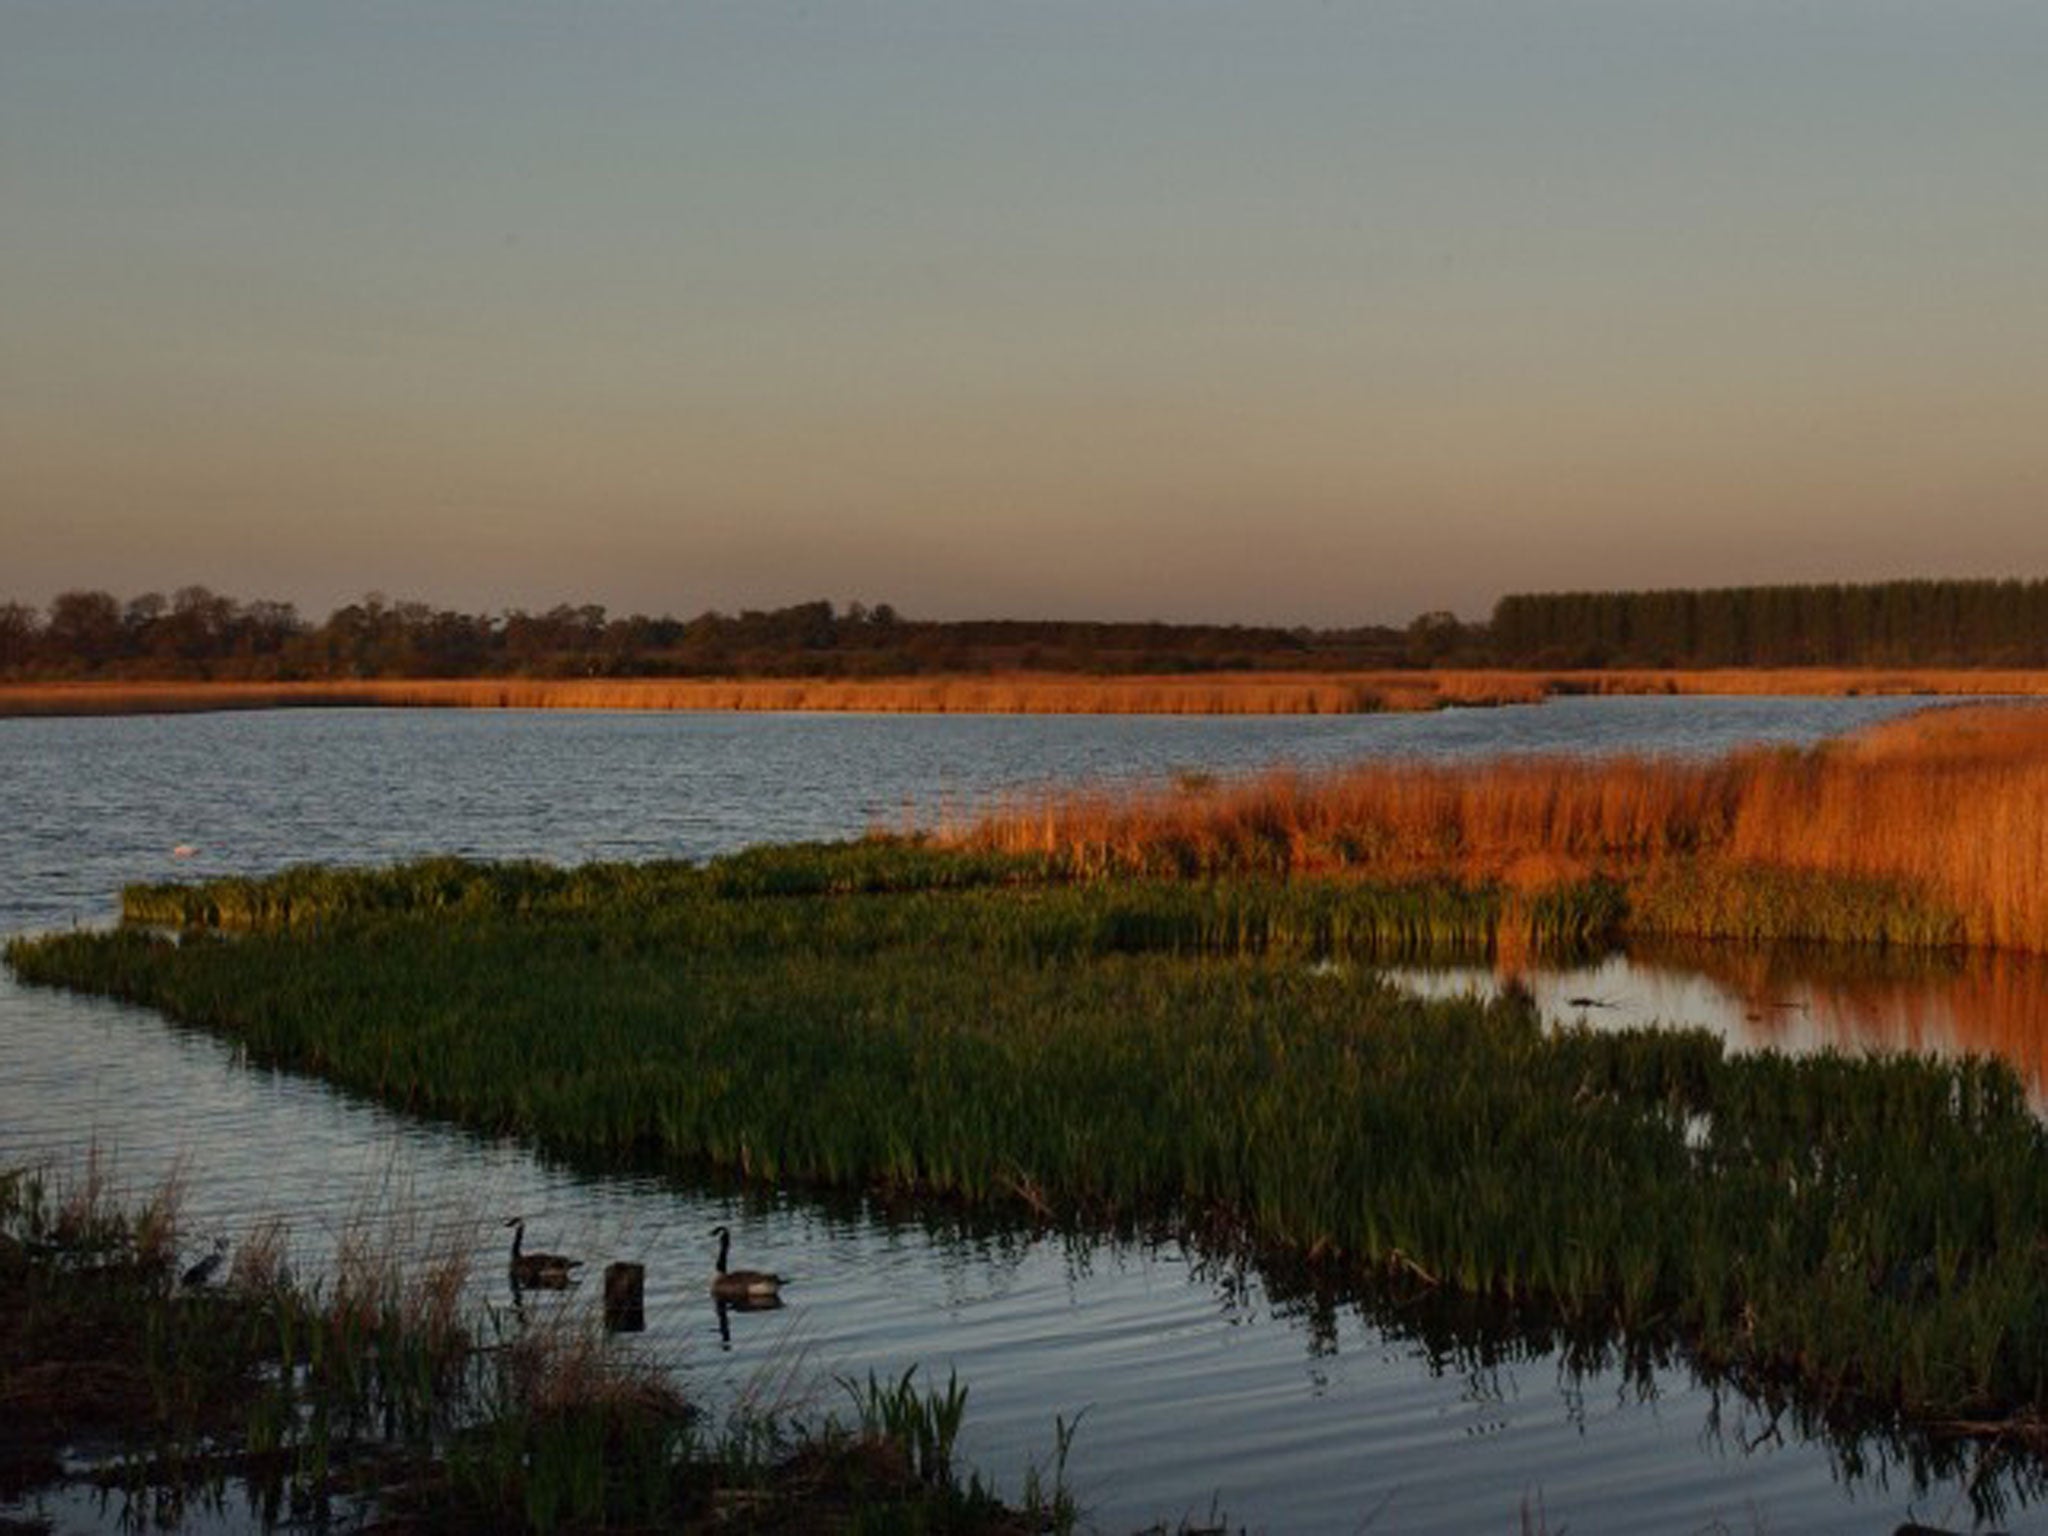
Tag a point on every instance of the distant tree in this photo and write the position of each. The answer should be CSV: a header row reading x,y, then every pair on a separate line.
x,y
84,628
267,629
1432,637
19,632
143,611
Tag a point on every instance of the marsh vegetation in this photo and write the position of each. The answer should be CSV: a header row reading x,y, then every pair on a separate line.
x,y
1215,1056
381,1390
1288,691
1931,830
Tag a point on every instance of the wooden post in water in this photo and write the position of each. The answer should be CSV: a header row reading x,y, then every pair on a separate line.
x,y
625,1309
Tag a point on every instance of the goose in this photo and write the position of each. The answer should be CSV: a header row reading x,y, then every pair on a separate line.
x,y
740,1284
548,1271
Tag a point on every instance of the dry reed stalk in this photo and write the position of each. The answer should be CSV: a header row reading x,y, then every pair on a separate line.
x,y
385,1267
85,1202
155,1239
1807,682
1222,693
1394,819
259,1261
89,1210
559,1362
1953,804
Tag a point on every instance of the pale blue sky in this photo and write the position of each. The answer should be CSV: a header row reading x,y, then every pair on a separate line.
x,y
1314,312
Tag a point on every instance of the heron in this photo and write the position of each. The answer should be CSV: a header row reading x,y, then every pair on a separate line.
x,y
202,1273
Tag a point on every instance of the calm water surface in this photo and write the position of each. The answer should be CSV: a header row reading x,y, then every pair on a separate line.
x,y
1198,1384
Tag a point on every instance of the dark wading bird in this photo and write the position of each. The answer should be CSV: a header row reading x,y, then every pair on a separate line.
x,y
740,1286
203,1272
543,1271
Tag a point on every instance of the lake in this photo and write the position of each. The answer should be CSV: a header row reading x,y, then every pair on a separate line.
x,y
1198,1384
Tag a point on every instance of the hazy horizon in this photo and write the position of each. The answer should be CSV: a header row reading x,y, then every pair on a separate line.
x,y
1302,313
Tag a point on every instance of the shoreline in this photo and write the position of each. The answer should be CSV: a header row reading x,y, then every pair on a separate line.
x,y
1219,693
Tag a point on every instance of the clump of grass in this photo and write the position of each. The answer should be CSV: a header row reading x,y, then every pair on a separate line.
x,y
567,1434
922,1425
1768,903
259,1262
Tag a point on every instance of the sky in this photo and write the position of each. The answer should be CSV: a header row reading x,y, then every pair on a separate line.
x,y
1295,311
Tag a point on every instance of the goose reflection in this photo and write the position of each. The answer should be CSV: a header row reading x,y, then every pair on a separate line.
x,y
727,1305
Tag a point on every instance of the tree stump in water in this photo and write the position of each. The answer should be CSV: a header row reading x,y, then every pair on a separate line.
x,y
624,1292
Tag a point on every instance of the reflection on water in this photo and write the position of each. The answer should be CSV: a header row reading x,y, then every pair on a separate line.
x,y
1800,998
1487,1347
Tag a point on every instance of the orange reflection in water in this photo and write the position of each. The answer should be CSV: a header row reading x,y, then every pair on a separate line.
x,y
1982,1002
1802,998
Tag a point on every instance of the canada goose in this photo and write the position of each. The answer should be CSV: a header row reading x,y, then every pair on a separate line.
x,y
203,1272
739,1284
547,1271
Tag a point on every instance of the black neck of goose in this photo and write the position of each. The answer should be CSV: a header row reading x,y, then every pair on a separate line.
x,y
518,1237
724,1248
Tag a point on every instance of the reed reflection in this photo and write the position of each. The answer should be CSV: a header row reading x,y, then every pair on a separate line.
x,y
1485,1341
1800,998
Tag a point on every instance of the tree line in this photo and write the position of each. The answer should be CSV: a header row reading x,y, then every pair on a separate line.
x,y
196,634
1880,624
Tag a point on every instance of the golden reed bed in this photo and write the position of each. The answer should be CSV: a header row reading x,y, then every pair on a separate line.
x,y
1223,693
1950,803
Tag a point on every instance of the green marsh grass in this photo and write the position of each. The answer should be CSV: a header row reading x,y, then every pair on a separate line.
x,y
313,893
1214,1056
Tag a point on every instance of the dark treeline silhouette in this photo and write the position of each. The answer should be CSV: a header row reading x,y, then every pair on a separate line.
x,y
198,634
1883,624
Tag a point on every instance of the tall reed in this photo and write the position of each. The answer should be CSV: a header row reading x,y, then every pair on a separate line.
x,y
1933,831
1199,693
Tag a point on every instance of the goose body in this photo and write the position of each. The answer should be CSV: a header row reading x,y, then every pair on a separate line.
x,y
740,1284
547,1271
